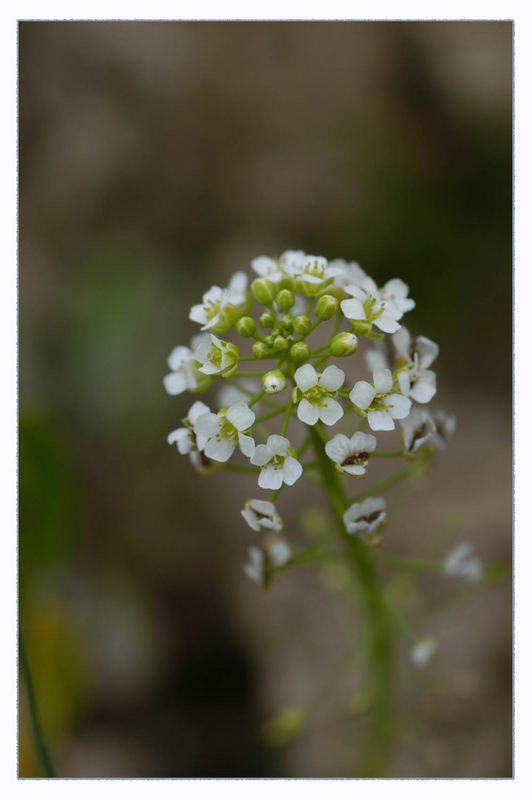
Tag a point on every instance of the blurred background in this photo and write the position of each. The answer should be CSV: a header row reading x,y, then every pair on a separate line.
x,y
155,160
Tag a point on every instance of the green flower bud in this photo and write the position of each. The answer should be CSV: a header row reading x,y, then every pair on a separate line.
x,y
302,325
269,340
263,291
361,327
299,351
267,319
246,326
343,344
259,350
287,322
326,307
285,300
280,343
274,381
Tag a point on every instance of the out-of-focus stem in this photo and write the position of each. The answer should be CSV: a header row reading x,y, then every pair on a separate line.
x,y
379,734
40,745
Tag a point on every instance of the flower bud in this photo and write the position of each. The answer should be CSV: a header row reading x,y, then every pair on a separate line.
x,y
302,325
274,381
263,291
343,344
287,322
326,307
361,327
246,326
299,351
280,343
267,319
285,300
259,350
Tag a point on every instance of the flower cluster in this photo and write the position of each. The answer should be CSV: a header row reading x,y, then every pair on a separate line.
x,y
293,379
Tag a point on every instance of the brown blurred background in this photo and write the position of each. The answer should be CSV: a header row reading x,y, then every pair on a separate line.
x,y
156,159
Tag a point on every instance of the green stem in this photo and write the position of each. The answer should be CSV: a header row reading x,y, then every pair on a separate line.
x,y
251,373
392,479
378,741
249,393
40,745
387,454
286,418
272,413
256,397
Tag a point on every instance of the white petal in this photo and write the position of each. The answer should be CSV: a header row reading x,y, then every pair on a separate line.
x,y
375,359
353,309
175,383
362,443
403,379
292,470
401,342
278,444
241,416
250,518
198,314
338,448
362,394
331,378
427,350
354,469
262,455
386,324
210,368
380,421
306,377
238,282
424,389
246,444
219,449
307,413
279,553
196,410
382,380
270,478
395,289
330,412
179,356
398,405
207,424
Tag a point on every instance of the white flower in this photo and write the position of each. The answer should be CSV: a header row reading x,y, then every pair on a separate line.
x,y
218,434
217,357
346,274
185,374
378,400
366,518
267,267
292,262
260,560
396,291
415,379
422,651
421,429
366,307
317,394
310,272
278,463
351,455
462,563
185,438
218,309
228,394
261,514
376,358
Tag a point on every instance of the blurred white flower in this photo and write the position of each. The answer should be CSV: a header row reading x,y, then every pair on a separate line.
x,y
278,463
261,515
217,357
229,394
217,309
396,292
275,554
267,267
381,404
351,455
367,307
462,563
346,274
218,434
414,356
185,438
422,651
317,391
185,374
365,518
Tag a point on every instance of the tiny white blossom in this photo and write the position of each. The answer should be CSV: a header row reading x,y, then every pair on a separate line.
x,y
462,563
261,515
415,379
185,438
381,404
274,381
445,427
218,434
317,394
346,274
267,267
274,554
278,463
216,310
422,651
217,357
396,291
366,518
185,374
366,306
351,455
310,272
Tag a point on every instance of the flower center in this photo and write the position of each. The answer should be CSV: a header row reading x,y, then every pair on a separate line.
x,y
317,395
355,459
